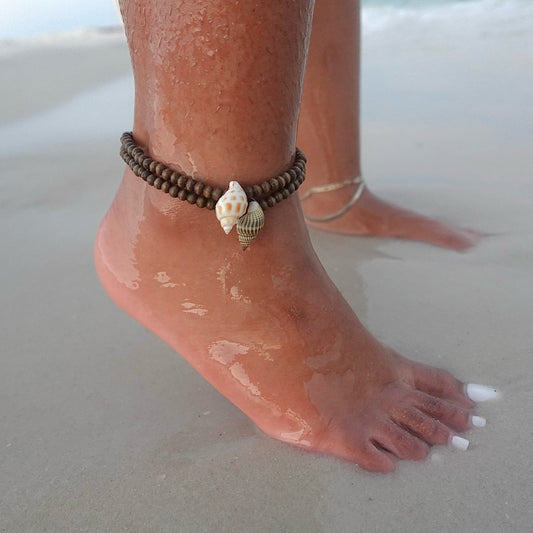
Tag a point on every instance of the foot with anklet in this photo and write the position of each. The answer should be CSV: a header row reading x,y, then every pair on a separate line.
x,y
348,207
270,331
265,326
329,133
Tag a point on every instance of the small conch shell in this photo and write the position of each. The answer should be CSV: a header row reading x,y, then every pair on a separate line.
x,y
231,206
249,225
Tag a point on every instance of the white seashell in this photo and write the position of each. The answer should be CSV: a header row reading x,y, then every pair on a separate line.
x,y
231,206
249,225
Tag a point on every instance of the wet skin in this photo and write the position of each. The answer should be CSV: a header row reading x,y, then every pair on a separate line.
x,y
217,92
329,133
271,332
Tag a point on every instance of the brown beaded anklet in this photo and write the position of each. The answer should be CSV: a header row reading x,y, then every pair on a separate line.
x,y
232,206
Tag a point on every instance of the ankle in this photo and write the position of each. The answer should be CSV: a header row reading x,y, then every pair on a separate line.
x,y
243,207
189,228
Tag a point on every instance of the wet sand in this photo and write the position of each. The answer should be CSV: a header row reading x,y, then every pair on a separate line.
x,y
105,428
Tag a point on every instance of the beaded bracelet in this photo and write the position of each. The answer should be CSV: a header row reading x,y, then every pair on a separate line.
x,y
241,206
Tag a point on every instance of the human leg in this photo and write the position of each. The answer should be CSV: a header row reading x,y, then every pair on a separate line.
x,y
218,86
329,134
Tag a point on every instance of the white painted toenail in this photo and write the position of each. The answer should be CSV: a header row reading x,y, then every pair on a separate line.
x,y
459,443
478,421
481,393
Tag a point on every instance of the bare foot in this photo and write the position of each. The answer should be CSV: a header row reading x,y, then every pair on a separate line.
x,y
271,332
375,217
329,134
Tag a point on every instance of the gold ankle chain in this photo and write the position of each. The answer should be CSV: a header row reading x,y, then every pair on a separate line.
x,y
330,187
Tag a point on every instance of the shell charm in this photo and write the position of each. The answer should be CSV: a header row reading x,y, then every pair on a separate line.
x,y
231,206
249,225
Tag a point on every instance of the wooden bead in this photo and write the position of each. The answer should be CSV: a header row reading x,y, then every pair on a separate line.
x,y
278,196
150,179
217,193
210,204
191,198
263,204
249,191
285,193
274,184
166,173
152,166
173,191
291,173
201,201
182,181
271,201
159,168
158,182
198,188
189,186
165,186
182,195
207,191
146,163
291,187
257,191
174,177
145,174
265,187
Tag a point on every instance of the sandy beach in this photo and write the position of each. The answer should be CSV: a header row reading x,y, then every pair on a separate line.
x,y
103,428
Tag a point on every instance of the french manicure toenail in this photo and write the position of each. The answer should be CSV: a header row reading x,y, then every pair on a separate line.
x,y
478,421
480,393
459,443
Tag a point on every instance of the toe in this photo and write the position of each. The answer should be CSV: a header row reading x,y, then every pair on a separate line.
x,y
426,427
449,413
401,442
441,384
370,457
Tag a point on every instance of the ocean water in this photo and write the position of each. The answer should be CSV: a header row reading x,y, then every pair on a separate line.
x,y
47,18
464,17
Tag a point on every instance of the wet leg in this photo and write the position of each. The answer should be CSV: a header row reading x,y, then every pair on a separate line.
x,y
329,134
218,86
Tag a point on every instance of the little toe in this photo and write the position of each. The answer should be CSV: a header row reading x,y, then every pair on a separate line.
x,y
440,383
371,457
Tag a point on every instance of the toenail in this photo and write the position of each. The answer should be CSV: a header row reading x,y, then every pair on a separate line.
x,y
478,421
481,393
459,443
